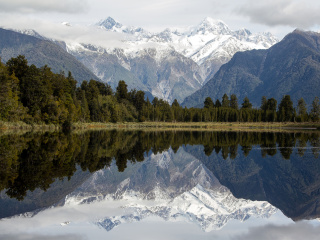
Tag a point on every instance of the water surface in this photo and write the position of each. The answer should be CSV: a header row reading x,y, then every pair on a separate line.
x,y
173,185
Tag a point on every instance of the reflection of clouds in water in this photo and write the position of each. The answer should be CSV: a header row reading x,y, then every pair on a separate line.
x,y
26,236
295,231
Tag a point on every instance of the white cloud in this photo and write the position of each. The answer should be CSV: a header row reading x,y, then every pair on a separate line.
x,y
277,16
58,31
295,231
34,6
160,14
294,13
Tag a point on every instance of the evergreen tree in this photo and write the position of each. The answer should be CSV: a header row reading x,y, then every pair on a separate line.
x,y
208,103
11,108
271,104
263,106
234,102
175,103
122,91
286,110
218,103
225,101
84,112
302,110
177,111
270,113
140,100
315,110
18,66
246,104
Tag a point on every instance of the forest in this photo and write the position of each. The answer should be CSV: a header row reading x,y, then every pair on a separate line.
x,y
37,95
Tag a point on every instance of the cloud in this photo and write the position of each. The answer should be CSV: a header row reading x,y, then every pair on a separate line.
x,y
28,236
157,15
36,6
291,13
295,231
58,31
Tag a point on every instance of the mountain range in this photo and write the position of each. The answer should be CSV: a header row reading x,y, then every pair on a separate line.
x,y
171,64
290,67
189,64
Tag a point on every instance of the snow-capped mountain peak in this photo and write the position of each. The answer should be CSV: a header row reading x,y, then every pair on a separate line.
x,y
245,33
30,32
109,24
210,25
186,58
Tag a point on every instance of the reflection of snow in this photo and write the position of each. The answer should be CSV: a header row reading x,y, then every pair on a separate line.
x,y
174,187
209,209
65,223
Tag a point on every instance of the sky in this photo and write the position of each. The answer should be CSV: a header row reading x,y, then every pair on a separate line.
x,y
276,16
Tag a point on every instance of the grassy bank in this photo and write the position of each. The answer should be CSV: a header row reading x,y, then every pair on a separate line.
x,y
199,125
196,126
25,126
167,125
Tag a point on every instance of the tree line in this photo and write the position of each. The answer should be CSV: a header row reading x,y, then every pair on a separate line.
x,y
37,95
228,110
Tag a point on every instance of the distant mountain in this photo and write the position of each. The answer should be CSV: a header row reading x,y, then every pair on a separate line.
x,y
210,40
40,52
171,64
291,66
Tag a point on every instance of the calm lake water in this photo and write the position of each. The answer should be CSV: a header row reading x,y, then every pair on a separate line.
x,y
160,185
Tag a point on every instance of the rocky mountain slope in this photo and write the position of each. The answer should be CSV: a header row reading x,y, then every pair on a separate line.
x,y
291,66
40,52
170,64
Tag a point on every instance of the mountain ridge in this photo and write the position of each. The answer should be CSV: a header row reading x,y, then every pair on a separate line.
x,y
181,61
40,51
291,67
202,48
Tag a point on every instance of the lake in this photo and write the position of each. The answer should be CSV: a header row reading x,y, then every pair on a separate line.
x,y
160,185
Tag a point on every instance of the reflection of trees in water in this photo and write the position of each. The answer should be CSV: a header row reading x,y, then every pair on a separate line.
x,y
290,185
315,143
34,161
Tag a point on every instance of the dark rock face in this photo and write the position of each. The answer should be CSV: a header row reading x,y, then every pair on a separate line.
x,y
291,67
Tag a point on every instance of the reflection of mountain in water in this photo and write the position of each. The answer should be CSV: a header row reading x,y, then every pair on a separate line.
x,y
172,186
40,169
291,185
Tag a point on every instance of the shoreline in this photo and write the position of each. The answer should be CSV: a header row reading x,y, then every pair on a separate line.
x,y
211,126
